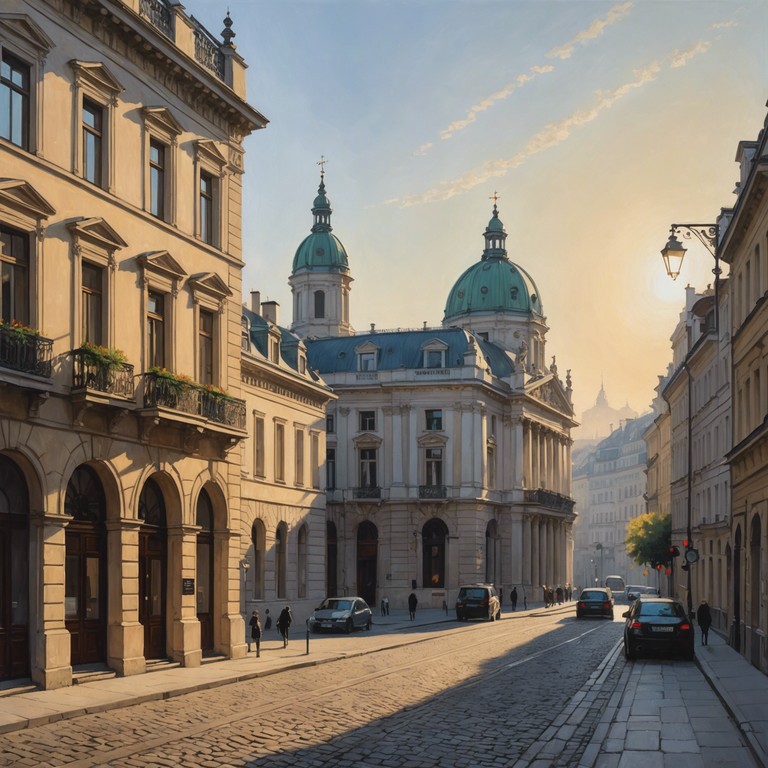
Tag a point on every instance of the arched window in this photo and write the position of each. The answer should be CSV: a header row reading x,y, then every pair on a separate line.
x,y
204,519
491,537
319,304
433,536
302,562
281,557
259,539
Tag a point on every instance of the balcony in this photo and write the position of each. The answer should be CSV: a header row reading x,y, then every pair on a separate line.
x,y
193,412
102,389
372,493
432,492
25,352
550,499
87,374
159,15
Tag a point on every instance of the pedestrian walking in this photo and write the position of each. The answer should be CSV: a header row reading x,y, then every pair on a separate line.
x,y
386,606
383,608
267,621
283,623
559,593
513,598
413,601
525,600
255,632
704,617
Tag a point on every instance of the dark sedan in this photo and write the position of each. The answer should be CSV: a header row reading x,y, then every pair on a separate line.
x,y
341,613
657,626
595,602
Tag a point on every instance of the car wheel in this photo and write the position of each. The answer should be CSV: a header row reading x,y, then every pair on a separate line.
x,y
459,617
629,654
350,626
368,626
611,616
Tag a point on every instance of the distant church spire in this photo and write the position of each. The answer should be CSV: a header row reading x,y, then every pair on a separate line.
x,y
495,236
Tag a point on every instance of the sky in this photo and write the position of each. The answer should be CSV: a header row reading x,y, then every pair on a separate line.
x,y
598,124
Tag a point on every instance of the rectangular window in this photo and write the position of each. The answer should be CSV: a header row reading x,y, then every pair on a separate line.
x,y
435,419
367,421
299,457
274,350
367,361
280,453
258,446
330,469
205,374
93,136
92,303
206,207
330,423
157,164
14,101
368,468
315,460
14,275
156,330
434,466
434,358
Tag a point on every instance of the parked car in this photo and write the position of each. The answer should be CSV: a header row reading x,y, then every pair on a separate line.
x,y
657,625
341,613
478,601
595,602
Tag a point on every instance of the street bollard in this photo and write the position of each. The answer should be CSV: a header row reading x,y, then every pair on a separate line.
x,y
307,637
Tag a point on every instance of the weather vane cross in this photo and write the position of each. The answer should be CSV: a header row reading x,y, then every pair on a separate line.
x,y
321,162
495,196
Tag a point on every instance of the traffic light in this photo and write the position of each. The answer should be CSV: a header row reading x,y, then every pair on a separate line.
x,y
674,552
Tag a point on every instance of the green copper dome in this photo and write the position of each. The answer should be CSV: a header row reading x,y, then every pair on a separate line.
x,y
321,250
494,284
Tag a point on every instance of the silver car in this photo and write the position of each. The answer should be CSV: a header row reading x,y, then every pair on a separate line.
x,y
341,613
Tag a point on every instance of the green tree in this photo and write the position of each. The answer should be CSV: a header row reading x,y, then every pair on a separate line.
x,y
649,538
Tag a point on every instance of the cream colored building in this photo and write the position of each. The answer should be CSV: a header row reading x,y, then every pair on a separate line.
x,y
448,449
121,131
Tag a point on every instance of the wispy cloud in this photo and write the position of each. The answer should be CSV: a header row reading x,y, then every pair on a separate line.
x,y
424,148
548,137
489,101
593,31
725,25
681,58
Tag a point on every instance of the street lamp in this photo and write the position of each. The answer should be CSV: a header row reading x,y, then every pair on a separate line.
x,y
673,253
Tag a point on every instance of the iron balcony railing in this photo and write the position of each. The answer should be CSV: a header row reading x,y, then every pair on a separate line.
x,y
159,15
187,397
89,375
367,492
550,499
207,51
25,352
432,492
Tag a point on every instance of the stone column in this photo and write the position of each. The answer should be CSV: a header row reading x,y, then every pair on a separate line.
x,y
543,554
125,634
536,581
526,575
229,625
346,469
528,455
516,569
51,656
182,564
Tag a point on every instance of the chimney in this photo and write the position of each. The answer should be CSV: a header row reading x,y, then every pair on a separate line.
x,y
256,302
270,311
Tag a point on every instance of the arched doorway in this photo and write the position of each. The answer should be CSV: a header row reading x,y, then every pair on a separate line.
x,y
737,589
14,571
301,561
434,534
153,557
491,537
204,519
367,552
755,577
331,559
85,593
259,540
281,559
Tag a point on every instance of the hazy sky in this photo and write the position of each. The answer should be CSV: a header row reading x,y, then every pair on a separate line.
x,y
598,124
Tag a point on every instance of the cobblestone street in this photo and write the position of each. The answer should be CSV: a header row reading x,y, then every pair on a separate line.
x,y
479,695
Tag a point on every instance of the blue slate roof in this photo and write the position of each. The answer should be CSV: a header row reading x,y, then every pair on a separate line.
x,y
259,333
402,350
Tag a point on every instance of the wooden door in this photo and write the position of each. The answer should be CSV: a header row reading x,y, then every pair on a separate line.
x,y
152,591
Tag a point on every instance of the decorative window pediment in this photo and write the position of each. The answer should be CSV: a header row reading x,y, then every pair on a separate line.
x,y
432,440
161,121
433,352
367,440
161,262
98,232
97,76
22,197
367,356
207,151
21,27
210,285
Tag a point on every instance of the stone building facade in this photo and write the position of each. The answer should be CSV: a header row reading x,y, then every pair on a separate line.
x,y
120,407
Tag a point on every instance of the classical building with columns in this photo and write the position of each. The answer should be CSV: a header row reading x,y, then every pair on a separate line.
x,y
121,129
448,449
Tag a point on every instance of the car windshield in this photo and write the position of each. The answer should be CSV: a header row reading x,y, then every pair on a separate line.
x,y
478,593
336,605
593,594
661,609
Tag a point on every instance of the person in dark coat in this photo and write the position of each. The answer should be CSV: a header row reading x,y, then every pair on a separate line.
x,y
704,617
268,622
513,598
413,601
283,623
255,632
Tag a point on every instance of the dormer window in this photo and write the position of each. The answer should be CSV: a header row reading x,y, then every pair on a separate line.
x,y
274,350
302,364
367,357
434,354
